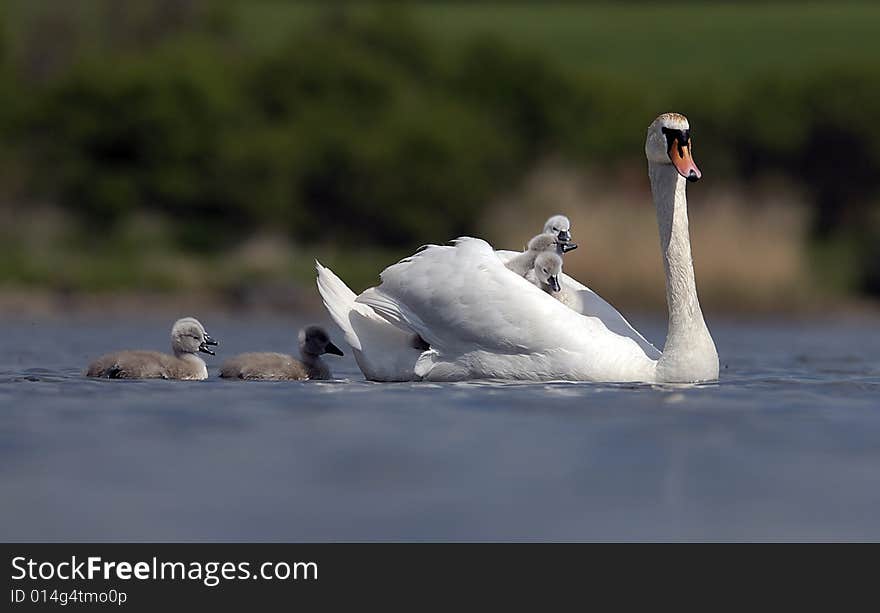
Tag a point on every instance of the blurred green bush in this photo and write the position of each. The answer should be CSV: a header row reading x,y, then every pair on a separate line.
x,y
363,128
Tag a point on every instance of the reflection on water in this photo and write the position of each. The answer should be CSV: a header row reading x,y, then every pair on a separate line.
x,y
785,446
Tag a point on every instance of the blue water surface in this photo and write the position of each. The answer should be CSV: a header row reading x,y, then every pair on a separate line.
x,y
786,446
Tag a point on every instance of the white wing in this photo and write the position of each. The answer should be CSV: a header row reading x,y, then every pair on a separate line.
x,y
482,320
587,302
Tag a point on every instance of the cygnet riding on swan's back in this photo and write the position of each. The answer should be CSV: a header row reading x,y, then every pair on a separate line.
x,y
561,227
188,338
481,322
313,343
556,236
573,294
545,274
522,263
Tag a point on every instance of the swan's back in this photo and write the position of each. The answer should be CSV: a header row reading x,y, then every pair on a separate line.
x,y
483,320
585,301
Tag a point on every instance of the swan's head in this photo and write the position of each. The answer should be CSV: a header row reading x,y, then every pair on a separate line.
x,y
188,336
669,142
548,265
314,340
560,226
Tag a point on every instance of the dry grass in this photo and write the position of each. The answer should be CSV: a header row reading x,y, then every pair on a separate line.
x,y
750,251
749,245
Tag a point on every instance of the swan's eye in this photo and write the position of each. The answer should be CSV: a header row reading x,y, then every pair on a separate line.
x,y
680,137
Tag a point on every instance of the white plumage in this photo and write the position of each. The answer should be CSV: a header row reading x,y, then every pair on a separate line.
x,y
481,320
484,321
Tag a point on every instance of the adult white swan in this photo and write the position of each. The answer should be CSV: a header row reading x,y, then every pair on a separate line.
x,y
483,321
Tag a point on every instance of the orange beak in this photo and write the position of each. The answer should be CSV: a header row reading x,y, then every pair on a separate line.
x,y
680,154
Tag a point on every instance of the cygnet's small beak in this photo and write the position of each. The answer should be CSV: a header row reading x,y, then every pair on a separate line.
x,y
554,283
331,348
564,236
566,247
203,347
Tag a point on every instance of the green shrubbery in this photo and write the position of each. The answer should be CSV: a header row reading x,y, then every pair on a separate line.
x,y
363,128
115,136
821,131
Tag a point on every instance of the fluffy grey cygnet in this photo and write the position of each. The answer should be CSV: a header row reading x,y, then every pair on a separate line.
x,y
313,343
188,338
545,274
561,227
524,262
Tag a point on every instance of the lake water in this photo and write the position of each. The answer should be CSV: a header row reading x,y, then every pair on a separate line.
x,y
785,446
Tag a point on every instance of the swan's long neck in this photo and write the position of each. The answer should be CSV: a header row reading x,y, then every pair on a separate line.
x,y
689,353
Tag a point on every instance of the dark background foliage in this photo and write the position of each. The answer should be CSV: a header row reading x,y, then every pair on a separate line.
x,y
385,125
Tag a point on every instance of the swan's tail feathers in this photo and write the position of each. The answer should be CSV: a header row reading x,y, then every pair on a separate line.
x,y
339,300
394,312
383,351
388,308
